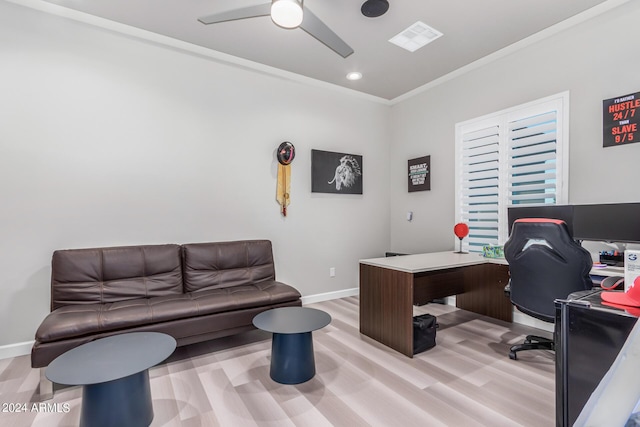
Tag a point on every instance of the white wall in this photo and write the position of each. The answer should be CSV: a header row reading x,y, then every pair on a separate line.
x,y
106,139
595,60
110,140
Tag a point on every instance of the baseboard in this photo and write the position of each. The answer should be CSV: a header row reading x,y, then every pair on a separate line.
x,y
310,299
15,350
523,319
518,317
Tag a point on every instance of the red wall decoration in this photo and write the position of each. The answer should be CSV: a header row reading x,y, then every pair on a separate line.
x,y
621,117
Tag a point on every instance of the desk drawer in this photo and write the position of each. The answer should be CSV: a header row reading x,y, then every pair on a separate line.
x,y
437,284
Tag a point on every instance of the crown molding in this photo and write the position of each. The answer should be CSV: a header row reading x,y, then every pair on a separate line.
x,y
234,61
190,48
534,38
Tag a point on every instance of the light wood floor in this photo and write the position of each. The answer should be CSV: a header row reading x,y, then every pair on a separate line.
x,y
466,380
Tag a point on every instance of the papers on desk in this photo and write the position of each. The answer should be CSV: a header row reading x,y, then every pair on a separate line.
x,y
631,268
491,251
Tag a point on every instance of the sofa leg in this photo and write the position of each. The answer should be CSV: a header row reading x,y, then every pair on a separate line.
x,y
46,386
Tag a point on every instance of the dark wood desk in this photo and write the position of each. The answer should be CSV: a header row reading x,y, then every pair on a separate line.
x,y
389,287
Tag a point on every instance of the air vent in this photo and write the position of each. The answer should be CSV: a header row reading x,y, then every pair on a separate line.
x,y
416,36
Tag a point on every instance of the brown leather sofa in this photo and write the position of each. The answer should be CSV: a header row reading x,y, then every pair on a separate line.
x,y
193,292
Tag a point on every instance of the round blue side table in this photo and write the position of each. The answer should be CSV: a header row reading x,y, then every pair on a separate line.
x,y
114,373
292,358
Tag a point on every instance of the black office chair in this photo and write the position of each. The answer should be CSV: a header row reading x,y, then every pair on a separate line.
x,y
545,264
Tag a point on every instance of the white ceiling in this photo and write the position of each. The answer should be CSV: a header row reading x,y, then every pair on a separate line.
x,y
472,29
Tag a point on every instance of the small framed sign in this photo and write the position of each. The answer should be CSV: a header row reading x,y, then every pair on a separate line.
x,y
621,116
419,174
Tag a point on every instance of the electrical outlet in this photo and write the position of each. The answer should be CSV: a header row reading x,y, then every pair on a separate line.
x,y
332,272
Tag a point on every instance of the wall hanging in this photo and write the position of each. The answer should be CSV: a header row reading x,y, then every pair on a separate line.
x,y
621,116
336,172
419,174
285,154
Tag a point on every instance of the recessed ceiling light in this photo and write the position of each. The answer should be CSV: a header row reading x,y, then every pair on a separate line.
x,y
354,75
416,36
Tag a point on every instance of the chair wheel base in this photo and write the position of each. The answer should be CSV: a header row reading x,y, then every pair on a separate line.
x,y
532,342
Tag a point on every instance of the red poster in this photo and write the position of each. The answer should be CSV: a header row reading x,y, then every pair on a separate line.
x,y
621,116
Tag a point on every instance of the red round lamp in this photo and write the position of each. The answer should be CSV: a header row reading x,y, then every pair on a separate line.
x,y
461,230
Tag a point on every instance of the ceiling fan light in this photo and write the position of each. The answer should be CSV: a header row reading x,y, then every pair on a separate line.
x,y
286,13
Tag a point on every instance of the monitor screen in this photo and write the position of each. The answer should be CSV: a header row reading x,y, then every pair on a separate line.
x,y
614,222
563,212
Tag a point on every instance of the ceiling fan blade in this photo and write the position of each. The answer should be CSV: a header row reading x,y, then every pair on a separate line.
x,y
242,13
315,27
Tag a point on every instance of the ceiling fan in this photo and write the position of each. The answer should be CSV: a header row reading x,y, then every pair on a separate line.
x,y
287,14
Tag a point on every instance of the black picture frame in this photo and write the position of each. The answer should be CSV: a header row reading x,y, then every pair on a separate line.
x,y
621,120
337,173
419,174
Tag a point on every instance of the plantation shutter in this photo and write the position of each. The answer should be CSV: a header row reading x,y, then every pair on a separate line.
x,y
479,191
515,157
532,171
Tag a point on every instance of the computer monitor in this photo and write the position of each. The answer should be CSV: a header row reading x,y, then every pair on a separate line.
x,y
562,212
612,222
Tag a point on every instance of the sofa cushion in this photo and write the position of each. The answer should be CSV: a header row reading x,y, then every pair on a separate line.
x,y
89,319
224,264
105,275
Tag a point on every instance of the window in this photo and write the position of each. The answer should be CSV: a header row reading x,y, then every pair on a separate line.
x,y
513,157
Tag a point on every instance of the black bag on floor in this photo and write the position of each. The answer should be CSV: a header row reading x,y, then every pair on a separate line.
x,y
424,332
